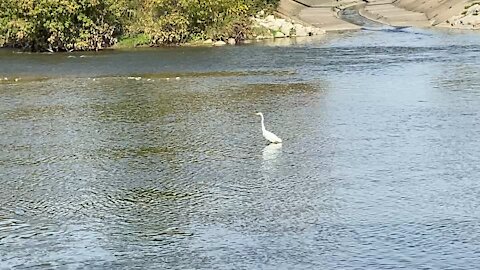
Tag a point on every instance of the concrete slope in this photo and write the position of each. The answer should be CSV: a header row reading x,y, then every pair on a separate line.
x,y
318,13
420,13
438,11
387,12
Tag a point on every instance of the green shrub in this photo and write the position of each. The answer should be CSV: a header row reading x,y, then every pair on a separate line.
x,y
133,41
177,21
59,25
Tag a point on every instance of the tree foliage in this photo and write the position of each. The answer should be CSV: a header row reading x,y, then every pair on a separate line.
x,y
95,24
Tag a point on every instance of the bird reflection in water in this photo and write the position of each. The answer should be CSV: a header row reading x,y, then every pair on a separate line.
x,y
272,151
271,155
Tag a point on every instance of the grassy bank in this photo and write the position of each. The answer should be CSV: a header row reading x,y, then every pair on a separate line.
x,y
63,25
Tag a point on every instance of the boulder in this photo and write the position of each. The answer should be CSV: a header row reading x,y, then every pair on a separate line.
x,y
275,25
301,32
231,41
470,20
208,41
310,30
259,37
297,26
279,34
219,43
270,18
286,28
283,28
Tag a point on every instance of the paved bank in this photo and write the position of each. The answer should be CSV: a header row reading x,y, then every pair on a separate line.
x,y
318,13
427,13
387,12
454,13
443,13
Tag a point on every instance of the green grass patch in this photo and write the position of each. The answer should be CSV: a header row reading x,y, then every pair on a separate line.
x,y
139,40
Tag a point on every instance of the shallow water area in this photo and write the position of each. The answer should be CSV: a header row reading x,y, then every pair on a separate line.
x,y
154,158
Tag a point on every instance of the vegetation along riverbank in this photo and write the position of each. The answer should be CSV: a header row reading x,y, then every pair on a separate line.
x,y
68,25
64,25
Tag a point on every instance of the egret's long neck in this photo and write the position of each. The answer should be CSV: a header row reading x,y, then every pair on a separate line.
x,y
263,125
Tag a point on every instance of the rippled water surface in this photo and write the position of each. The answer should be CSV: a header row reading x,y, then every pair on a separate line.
x,y
109,161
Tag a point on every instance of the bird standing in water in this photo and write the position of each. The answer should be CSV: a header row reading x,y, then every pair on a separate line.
x,y
267,134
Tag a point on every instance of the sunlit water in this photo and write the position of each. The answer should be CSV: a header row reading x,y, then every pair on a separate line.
x,y
379,168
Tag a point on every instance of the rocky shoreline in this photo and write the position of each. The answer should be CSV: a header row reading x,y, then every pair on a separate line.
x,y
469,19
269,27
280,28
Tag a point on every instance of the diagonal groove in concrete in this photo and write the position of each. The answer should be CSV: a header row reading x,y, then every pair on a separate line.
x,y
319,13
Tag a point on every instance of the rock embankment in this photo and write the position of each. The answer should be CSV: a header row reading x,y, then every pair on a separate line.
x,y
469,19
269,27
266,27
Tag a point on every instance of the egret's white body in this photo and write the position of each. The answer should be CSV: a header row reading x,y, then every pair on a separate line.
x,y
267,134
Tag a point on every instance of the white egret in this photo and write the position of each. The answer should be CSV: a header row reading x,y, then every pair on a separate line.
x,y
267,134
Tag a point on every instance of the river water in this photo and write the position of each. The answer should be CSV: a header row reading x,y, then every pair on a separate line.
x,y
106,163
